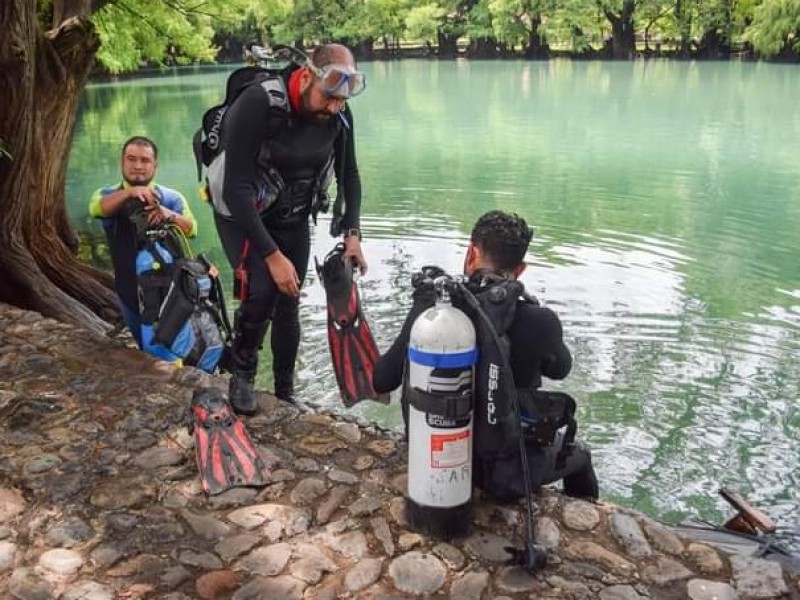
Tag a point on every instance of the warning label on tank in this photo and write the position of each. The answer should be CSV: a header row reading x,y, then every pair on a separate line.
x,y
449,450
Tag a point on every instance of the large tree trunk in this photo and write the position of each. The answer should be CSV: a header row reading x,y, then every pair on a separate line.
x,y
623,36
41,77
448,45
537,47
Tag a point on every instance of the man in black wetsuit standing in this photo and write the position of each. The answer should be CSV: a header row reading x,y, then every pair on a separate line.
x,y
282,140
495,257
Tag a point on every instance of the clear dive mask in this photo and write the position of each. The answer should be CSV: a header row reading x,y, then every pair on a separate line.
x,y
340,81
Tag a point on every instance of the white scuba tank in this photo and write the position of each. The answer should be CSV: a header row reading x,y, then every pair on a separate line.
x,y
442,354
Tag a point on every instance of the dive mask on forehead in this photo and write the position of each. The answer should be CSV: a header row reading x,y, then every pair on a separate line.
x,y
340,81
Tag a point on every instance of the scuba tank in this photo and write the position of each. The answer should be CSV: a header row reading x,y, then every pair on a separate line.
x,y
439,391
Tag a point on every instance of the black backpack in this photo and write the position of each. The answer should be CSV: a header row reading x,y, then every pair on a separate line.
x,y
206,140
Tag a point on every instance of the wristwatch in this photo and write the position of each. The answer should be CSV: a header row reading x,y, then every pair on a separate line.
x,y
353,232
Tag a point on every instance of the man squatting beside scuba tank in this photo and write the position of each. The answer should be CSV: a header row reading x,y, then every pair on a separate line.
x,y
114,205
494,258
278,161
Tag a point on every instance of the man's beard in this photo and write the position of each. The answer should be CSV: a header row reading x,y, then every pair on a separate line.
x,y
319,115
138,181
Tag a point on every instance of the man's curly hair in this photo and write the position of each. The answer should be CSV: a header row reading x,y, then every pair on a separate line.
x,y
503,237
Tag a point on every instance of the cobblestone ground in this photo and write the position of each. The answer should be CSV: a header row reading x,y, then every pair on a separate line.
x,y
100,499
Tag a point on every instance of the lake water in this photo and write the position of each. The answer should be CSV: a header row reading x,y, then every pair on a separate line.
x,y
666,202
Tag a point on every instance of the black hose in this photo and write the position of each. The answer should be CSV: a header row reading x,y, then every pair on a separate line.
x,y
533,559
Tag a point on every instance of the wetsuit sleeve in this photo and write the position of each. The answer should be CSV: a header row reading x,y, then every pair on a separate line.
x,y
538,347
246,127
351,179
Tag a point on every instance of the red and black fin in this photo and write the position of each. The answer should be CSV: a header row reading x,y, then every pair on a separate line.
x,y
353,349
226,456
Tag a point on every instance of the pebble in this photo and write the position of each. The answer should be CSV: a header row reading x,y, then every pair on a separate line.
x,y
489,546
471,586
61,561
216,584
629,535
88,590
417,573
580,515
7,553
700,589
383,534
268,560
364,574
758,578
231,547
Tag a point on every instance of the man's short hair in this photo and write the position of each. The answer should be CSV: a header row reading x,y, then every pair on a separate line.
x,y
140,140
328,54
503,237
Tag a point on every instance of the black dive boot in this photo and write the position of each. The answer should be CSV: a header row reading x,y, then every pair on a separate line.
x,y
244,360
284,387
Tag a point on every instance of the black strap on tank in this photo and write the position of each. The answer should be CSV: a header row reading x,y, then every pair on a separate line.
x,y
449,406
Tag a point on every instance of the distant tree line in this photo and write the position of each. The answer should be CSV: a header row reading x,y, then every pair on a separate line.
x,y
618,29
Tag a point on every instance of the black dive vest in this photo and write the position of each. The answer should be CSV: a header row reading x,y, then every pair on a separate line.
x,y
288,189
497,425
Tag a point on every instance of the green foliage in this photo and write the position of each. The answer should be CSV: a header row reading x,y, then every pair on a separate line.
x,y
776,24
133,32
423,21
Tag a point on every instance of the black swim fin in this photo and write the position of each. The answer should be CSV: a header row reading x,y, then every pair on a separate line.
x,y
226,457
353,349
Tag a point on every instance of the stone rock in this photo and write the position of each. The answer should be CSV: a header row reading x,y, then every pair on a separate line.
x,y
471,586
417,573
365,573
579,515
321,444
547,533
514,580
273,588
306,465
662,538
69,533
61,561
363,462
383,534
365,506
407,541
397,508
216,584
7,553
665,571
141,564
234,546
282,475
203,560
348,432
339,476
205,525
312,565
620,592
582,570
105,555
327,590
701,589
488,546
757,578
122,493
383,448
174,576
289,519
88,590
452,556
594,553
11,504
629,535
331,504
706,558
353,544
575,590
27,585
42,463
233,497
159,456
307,491
267,560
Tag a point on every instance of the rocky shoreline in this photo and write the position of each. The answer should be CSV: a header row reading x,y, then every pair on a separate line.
x,y
100,499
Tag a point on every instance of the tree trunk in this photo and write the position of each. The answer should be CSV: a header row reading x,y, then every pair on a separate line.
x,y
623,38
482,48
537,47
684,21
448,45
41,77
